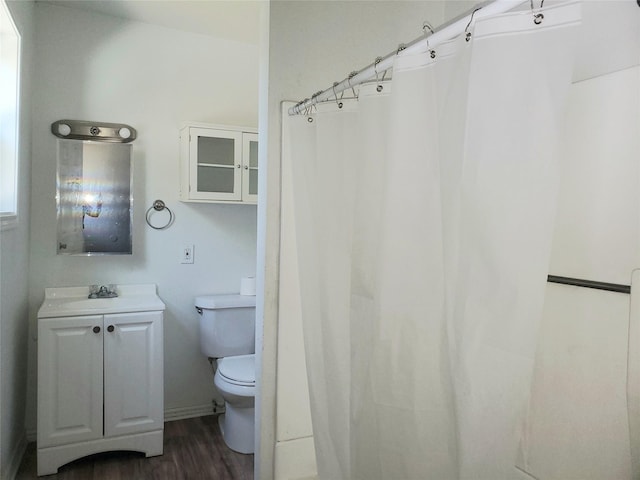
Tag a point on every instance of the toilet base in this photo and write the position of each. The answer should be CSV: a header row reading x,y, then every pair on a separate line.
x,y
237,427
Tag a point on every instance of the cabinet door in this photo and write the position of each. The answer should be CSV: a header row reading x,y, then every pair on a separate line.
x,y
69,380
133,373
250,167
215,160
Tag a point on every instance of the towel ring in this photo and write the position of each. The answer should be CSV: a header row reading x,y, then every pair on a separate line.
x,y
158,206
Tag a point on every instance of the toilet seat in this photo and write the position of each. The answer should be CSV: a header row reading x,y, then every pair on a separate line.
x,y
238,370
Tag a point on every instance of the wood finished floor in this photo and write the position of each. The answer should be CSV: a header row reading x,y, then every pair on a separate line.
x,y
193,450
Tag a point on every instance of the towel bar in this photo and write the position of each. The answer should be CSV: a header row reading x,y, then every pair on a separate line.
x,y
610,287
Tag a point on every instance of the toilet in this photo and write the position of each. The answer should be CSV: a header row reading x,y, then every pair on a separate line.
x,y
227,333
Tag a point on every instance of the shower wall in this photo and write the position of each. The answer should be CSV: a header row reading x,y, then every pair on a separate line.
x,y
577,425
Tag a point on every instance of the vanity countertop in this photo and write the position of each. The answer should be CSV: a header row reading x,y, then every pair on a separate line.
x,y
73,301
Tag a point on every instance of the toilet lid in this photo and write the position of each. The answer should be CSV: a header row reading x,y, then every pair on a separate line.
x,y
238,369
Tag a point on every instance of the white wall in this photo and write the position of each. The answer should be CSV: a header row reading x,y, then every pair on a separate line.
x,y
14,262
91,66
311,45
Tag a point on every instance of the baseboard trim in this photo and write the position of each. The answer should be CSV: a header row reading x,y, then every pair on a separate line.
x,y
16,458
180,413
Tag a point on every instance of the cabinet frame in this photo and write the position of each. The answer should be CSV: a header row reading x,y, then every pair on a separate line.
x,y
190,164
247,196
97,403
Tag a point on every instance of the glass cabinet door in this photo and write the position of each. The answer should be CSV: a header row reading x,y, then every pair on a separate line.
x,y
216,164
250,168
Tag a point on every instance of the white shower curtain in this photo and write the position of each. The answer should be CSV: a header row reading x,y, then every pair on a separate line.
x,y
424,215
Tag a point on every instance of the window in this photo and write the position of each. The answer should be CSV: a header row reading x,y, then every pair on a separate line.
x,y
9,86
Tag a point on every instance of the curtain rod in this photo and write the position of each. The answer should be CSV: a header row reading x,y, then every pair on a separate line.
x,y
578,282
441,34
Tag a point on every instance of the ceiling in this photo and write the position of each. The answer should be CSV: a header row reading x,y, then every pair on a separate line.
x,y
237,20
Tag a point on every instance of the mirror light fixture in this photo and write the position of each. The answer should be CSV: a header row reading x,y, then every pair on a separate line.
x,y
100,132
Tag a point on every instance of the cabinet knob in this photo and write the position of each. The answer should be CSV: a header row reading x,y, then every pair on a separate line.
x,y
238,166
96,329
110,328
246,167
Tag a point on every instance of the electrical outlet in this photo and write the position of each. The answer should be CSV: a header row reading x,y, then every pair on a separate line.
x,y
186,255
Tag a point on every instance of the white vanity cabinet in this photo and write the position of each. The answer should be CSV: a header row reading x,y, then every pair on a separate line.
x,y
100,378
219,164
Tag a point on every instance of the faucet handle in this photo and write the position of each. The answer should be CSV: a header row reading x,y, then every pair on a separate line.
x,y
93,291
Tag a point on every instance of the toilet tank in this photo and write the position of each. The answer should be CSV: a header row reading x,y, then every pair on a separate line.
x,y
227,324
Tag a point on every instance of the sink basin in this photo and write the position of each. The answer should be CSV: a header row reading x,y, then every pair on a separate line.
x,y
72,301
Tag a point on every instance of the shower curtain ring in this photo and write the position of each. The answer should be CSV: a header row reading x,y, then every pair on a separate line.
x,y
379,87
310,113
466,29
303,108
314,99
340,104
375,66
426,25
351,75
307,113
537,17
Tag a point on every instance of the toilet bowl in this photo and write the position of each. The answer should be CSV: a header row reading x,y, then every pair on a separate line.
x,y
235,380
227,333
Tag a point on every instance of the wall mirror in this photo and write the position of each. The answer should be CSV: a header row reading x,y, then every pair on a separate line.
x,y
94,198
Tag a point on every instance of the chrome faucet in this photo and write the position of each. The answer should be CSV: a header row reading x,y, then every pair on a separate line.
x,y
103,291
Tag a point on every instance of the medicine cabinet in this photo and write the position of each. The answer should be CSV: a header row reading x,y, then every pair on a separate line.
x,y
219,164
94,198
